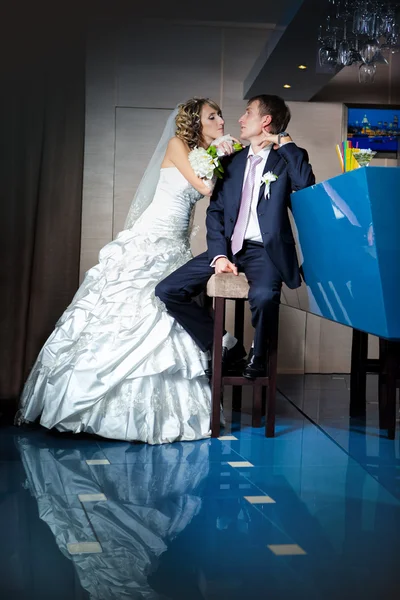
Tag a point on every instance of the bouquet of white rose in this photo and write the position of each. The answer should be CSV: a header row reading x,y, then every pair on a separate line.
x,y
206,163
202,163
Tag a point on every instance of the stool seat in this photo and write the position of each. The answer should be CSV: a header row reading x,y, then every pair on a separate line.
x,y
228,285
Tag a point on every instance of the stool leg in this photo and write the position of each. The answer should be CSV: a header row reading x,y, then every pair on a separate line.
x,y
382,385
216,382
257,404
272,369
239,335
391,369
358,376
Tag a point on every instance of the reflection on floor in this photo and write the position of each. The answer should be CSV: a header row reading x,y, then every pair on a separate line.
x,y
313,513
325,400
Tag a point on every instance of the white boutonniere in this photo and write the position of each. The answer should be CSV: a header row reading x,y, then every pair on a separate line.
x,y
266,180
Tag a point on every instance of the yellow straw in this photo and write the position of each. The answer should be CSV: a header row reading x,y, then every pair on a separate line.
x,y
340,157
349,156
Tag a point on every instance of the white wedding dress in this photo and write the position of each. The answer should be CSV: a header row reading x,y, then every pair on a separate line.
x,y
117,364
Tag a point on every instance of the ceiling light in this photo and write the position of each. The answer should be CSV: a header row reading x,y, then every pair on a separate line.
x,y
302,67
287,86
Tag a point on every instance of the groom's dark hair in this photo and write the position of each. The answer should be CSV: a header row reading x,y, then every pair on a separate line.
x,y
276,107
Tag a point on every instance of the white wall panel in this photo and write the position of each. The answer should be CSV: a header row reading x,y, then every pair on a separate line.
x,y
162,64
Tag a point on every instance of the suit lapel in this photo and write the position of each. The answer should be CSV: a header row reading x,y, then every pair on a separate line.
x,y
272,160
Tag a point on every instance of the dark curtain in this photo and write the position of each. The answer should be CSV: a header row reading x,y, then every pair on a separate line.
x,y
42,137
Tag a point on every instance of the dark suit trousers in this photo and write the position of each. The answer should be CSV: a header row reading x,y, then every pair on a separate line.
x,y
180,288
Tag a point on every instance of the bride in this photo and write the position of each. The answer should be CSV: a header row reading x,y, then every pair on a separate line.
x,y
117,364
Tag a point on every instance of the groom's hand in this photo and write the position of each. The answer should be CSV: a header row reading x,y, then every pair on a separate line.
x,y
223,265
272,138
268,139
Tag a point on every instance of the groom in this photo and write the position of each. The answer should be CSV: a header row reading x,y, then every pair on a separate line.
x,y
247,230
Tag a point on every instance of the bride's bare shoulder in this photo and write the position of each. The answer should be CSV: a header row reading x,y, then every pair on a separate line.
x,y
175,144
176,151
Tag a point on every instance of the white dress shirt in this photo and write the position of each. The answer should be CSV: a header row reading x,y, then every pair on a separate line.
x,y
253,232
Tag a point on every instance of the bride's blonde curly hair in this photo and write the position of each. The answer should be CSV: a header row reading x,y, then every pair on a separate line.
x,y
188,121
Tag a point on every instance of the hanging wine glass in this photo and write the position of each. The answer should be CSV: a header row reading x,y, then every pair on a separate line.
x,y
344,50
324,56
369,50
375,25
328,51
360,19
366,73
387,22
357,21
325,44
328,56
333,53
391,46
355,53
371,25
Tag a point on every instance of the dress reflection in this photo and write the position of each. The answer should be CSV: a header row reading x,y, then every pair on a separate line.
x,y
115,542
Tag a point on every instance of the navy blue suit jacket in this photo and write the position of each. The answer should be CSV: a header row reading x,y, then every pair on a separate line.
x,y
290,164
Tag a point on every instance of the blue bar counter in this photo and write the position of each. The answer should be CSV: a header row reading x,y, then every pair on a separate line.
x,y
348,243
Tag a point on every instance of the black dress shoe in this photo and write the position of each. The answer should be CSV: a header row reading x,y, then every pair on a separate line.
x,y
233,359
256,366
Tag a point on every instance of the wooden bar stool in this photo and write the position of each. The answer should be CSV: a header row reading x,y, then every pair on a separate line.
x,y
227,286
388,368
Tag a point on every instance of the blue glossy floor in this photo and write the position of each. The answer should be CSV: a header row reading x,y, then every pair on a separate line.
x,y
313,513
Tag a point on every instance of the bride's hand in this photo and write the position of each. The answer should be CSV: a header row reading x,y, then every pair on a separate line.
x,y
224,145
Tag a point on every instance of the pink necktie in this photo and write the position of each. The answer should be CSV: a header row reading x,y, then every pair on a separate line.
x,y
245,206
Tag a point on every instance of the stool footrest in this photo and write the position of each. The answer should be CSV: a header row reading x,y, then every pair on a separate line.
x,y
238,380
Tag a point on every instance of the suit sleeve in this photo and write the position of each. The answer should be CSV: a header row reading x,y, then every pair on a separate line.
x,y
300,171
216,241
